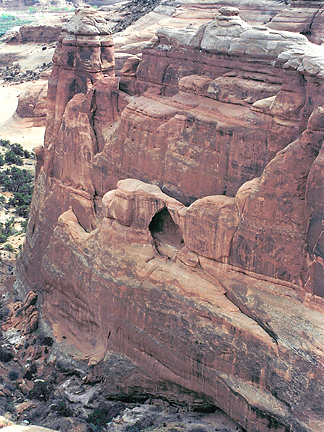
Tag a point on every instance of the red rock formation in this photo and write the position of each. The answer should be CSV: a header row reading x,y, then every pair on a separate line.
x,y
32,102
304,17
215,302
23,316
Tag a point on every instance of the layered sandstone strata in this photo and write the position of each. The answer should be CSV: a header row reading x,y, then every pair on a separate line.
x,y
304,17
200,275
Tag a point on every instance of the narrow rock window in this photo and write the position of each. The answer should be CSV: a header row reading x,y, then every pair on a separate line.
x,y
166,234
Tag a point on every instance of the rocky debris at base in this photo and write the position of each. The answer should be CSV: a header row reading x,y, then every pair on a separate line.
x,y
41,389
133,11
13,73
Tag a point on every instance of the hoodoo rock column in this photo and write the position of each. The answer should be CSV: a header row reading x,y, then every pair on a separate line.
x,y
77,108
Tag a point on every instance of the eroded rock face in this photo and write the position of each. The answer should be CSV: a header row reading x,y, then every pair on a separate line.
x,y
304,17
32,102
191,277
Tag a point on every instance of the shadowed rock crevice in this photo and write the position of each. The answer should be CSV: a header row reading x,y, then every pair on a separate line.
x,y
166,234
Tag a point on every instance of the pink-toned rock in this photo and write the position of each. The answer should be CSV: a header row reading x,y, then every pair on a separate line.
x,y
304,17
190,278
213,220
32,102
23,316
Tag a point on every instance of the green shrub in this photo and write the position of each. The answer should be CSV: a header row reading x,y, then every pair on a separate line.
x,y
41,391
98,418
9,248
24,224
6,230
4,143
17,149
12,158
16,180
20,182
13,375
62,409
21,201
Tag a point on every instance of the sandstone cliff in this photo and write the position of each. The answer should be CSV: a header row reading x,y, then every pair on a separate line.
x,y
176,224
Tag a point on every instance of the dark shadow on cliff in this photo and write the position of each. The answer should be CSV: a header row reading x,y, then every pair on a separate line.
x,y
166,234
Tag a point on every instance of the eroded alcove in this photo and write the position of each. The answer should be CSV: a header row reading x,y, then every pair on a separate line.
x,y
166,234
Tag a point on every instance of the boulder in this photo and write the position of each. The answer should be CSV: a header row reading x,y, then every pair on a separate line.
x,y
32,102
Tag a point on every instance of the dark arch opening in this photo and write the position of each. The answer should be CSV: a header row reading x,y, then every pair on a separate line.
x,y
166,234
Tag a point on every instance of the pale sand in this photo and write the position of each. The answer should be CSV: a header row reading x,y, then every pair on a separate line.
x,y
12,127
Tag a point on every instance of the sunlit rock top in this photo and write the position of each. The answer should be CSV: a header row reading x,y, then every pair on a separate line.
x,y
228,34
87,22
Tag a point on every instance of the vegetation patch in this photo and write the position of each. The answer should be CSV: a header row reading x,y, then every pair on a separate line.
x,y
98,419
41,391
8,21
16,190
62,409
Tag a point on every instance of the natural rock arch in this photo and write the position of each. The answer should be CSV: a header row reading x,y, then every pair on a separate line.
x,y
166,234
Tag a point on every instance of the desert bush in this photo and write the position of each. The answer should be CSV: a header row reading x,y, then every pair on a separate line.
x,y
44,340
20,183
27,154
17,149
9,248
6,230
2,200
4,143
42,391
7,21
29,374
22,202
98,418
16,180
12,158
5,355
62,409
3,313
24,225
13,375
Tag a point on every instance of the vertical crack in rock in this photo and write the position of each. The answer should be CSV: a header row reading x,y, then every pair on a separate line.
x,y
308,32
92,122
263,323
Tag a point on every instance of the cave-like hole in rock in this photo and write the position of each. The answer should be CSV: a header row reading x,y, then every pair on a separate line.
x,y
166,234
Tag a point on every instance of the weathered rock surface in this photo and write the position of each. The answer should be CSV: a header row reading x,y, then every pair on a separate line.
x,y
32,102
200,275
304,17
